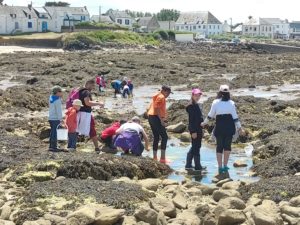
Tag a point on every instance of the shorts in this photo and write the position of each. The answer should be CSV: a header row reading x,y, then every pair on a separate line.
x,y
93,132
223,143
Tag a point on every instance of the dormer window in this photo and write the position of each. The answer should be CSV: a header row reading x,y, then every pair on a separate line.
x,y
29,17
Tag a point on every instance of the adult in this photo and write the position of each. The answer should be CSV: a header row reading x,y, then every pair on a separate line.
x,y
107,135
227,123
116,85
55,116
157,117
129,137
86,122
195,119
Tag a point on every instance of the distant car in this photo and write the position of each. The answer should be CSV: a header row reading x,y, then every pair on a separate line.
x,y
236,41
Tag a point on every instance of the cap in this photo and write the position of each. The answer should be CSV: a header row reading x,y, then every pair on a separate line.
x,y
136,119
197,91
224,88
56,89
166,88
77,102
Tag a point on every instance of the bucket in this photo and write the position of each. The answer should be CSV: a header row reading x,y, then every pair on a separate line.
x,y
62,133
249,150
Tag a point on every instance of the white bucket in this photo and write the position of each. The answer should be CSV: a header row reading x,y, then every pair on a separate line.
x,y
249,150
62,134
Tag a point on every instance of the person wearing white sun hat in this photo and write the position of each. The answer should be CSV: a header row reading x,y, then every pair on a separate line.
x,y
227,123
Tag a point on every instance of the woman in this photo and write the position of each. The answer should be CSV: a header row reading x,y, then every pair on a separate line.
x,y
129,137
195,120
227,122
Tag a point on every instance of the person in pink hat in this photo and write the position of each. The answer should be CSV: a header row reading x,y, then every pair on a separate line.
x,y
195,119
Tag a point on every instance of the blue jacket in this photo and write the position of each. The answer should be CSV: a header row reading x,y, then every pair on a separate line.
x,y
55,108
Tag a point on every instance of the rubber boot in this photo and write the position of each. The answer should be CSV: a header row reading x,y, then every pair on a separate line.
x,y
197,162
189,160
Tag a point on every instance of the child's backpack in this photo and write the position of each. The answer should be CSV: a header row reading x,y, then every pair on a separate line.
x,y
74,94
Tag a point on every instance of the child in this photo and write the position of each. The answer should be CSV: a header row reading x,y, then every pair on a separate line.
x,y
116,85
100,80
55,116
71,122
130,85
126,91
109,133
195,120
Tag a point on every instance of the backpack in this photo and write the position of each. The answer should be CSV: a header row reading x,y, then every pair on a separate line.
x,y
98,80
74,94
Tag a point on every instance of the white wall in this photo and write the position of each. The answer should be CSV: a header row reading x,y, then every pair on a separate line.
x,y
123,21
184,37
207,29
251,30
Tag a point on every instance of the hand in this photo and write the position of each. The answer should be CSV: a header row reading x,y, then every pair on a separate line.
x,y
242,132
203,125
147,148
101,104
194,135
164,123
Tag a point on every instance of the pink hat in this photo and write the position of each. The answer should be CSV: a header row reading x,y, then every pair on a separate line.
x,y
197,91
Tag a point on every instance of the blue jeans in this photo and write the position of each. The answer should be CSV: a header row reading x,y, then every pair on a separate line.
x,y
53,133
72,140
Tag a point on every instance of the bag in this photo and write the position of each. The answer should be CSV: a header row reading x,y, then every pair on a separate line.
x,y
74,94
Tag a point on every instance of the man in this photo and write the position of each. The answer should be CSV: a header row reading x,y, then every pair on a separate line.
x,y
157,116
116,85
109,133
86,122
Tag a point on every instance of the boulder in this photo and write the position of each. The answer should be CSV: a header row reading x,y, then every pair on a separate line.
x,y
109,216
207,190
291,211
54,218
232,185
171,188
37,222
240,163
164,205
5,212
187,218
167,182
150,184
84,215
129,220
194,191
6,222
254,201
231,216
295,201
147,215
180,201
232,203
177,128
221,182
125,180
265,218
219,194
161,219
290,220
185,137
269,206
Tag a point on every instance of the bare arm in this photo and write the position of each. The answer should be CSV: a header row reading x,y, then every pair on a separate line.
x,y
119,131
146,140
88,102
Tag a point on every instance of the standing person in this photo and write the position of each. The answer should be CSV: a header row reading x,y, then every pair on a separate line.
x,y
100,80
227,122
157,116
55,116
107,136
86,122
195,119
116,85
71,123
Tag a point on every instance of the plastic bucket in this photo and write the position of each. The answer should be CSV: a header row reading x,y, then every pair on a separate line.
x,y
249,150
62,133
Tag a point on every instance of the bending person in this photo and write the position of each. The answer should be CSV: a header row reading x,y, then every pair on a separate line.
x,y
227,123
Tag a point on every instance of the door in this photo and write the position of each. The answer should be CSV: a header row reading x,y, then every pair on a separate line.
x,y
16,25
44,26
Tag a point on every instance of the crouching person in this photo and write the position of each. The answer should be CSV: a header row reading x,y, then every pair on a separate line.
x,y
129,137
108,135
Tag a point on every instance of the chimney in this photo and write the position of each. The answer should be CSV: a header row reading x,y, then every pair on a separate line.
x,y
30,6
85,7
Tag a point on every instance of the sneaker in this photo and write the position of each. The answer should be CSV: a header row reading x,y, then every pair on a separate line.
x,y
221,170
53,150
164,161
226,168
189,168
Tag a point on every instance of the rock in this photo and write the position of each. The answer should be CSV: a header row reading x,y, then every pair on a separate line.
x,y
177,128
32,80
219,194
194,192
291,211
147,215
6,222
207,190
129,220
109,216
240,163
44,132
125,180
295,201
180,201
37,176
171,188
161,219
150,184
232,185
262,217
164,205
54,219
221,182
232,203
84,215
185,137
187,218
269,206
290,220
231,216
73,221
5,212
254,201
38,222
167,182
108,150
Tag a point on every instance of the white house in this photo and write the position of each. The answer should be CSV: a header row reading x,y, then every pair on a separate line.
x,y
251,28
102,19
167,25
274,28
121,17
295,30
44,20
199,22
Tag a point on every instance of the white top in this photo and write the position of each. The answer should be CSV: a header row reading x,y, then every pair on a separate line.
x,y
220,107
132,126
126,87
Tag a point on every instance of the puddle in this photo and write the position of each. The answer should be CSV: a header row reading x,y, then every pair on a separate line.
x,y
7,83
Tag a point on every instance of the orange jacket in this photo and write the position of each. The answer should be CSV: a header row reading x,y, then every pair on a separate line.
x,y
71,120
158,101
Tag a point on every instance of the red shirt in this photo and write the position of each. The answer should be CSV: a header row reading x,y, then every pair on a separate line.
x,y
71,120
110,131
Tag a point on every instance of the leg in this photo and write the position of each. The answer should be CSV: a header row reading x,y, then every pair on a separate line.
x,y
220,148
53,133
189,159
227,151
154,127
164,141
196,151
93,134
72,140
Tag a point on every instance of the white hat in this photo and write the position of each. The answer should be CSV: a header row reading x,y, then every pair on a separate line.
x,y
224,88
77,102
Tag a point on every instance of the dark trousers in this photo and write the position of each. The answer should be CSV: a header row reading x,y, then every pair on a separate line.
x,y
158,131
194,153
126,91
223,143
72,140
53,133
108,141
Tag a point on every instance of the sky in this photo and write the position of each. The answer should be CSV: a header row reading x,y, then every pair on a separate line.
x,y
238,10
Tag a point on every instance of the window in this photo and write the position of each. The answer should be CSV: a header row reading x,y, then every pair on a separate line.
x,y
29,24
29,17
127,22
250,28
182,27
209,27
199,27
219,27
119,21
203,26
270,29
263,28
254,28
186,27
277,26
194,27
214,27
246,29
82,18
177,27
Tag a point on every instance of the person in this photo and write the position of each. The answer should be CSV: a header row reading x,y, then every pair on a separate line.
x,y
108,134
71,123
130,85
116,85
129,137
157,117
55,116
100,80
195,119
86,122
227,122
126,91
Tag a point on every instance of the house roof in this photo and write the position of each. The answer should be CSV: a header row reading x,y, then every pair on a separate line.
x,y
40,10
144,21
251,21
204,17
70,10
270,21
20,11
120,14
104,19
295,24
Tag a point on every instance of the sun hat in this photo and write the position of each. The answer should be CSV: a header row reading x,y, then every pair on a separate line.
x,y
197,91
166,88
224,88
136,119
77,102
56,89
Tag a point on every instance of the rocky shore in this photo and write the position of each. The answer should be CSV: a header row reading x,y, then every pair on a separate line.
x,y
40,188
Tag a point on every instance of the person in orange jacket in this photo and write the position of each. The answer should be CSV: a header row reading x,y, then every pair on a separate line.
x,y
71,123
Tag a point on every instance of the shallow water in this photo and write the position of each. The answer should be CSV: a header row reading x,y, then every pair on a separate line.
x,y
7,83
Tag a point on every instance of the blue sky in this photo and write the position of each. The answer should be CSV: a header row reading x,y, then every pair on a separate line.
x,y
239,10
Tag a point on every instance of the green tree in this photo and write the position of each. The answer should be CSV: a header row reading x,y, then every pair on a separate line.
x,y
1,2
62,4
148,14
168,14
